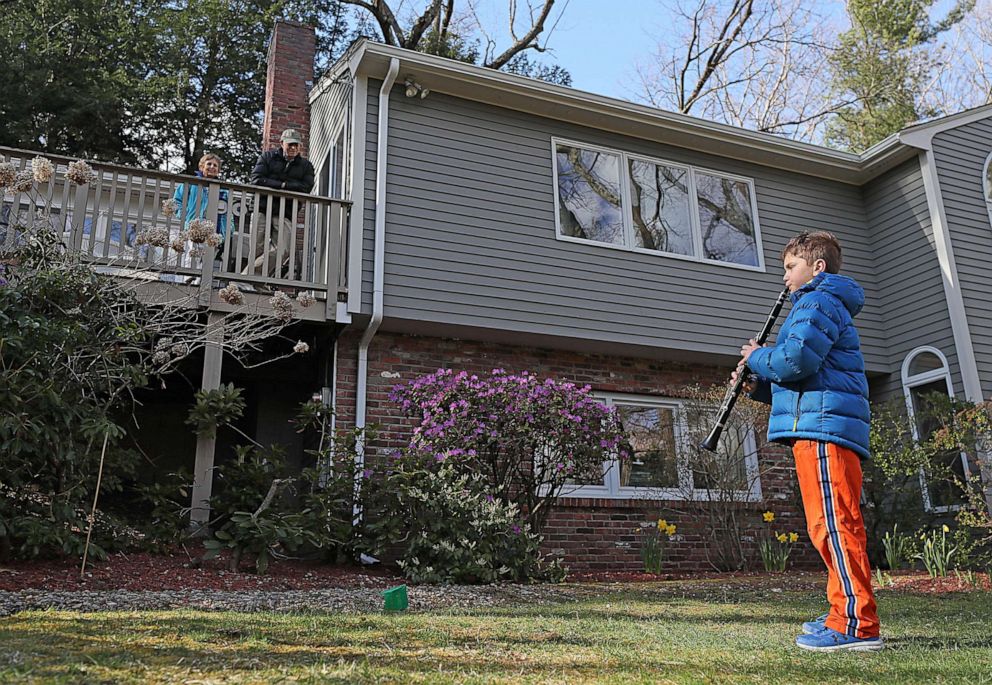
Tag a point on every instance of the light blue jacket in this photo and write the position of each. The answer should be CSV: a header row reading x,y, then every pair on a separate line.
x,y
814,376
193,205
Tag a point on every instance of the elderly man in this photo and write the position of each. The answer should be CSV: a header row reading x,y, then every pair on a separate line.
x,y
283,168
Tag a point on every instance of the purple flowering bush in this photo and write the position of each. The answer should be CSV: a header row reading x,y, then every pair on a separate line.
x,y
524,437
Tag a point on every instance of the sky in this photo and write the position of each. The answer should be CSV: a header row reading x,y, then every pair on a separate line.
x,y
600,42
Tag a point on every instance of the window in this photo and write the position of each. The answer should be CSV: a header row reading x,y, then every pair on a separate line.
x,y
664,462
332,181
626,201
590,205
926,377
337,165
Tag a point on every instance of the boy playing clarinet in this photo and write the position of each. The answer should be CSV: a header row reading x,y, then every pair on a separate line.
x,y
814,378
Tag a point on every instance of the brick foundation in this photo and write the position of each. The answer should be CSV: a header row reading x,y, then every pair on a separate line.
x,y
590,534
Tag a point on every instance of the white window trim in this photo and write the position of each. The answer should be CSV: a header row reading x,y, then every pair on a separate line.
x,y
611,488
985,187
916,380
626,210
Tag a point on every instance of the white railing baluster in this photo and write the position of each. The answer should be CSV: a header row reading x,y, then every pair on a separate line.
x,y
291,270
320,238
156,211
333,233
344,213
207,267
64,201
112,203
306,259
139,223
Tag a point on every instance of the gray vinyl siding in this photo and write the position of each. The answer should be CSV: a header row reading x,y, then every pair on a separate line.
x,y
910,289
960,155
470,238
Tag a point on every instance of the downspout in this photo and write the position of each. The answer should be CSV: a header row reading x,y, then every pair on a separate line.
x,y
382,140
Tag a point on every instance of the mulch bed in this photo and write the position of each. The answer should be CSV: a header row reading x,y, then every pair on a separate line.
x,y
177,570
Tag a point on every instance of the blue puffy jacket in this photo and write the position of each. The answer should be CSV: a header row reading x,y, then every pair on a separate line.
x,y
815,371
193,204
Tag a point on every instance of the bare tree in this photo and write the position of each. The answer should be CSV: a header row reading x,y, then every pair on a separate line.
x,y
756,65
964,77
410,30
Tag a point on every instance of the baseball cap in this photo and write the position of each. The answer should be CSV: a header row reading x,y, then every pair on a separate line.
x,y
291,135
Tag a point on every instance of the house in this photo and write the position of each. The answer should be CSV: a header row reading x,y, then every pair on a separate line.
x,y
504,221
490,220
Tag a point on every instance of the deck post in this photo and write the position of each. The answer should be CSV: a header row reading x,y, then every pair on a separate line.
x,y
203,469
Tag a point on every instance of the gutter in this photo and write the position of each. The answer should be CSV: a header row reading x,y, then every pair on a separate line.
x,y
361,393
511,91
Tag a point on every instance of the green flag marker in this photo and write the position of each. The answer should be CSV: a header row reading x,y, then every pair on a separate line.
x,y
396,599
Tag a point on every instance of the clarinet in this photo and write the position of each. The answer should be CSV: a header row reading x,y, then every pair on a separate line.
x,y
734,391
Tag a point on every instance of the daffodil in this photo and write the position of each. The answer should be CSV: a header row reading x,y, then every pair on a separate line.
x,y
768,516
946,529
781,537
670,529
662,524
793,537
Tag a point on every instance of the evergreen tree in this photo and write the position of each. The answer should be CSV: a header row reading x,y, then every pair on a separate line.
x,y
70,69
882,65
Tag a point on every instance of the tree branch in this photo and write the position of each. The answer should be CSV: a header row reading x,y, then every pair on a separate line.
x,y
527,42
392,33
420,26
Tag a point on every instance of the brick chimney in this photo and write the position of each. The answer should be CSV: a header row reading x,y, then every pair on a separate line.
x,y
288,81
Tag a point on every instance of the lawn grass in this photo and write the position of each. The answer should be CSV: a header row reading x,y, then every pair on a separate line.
x,y
641,634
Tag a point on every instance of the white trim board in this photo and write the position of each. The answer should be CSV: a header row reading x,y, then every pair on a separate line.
x,y
949,277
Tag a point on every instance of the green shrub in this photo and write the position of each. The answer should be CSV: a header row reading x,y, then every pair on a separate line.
x,y
260,532
459,534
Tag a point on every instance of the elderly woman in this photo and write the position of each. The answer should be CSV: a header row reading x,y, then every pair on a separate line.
x,y
193,200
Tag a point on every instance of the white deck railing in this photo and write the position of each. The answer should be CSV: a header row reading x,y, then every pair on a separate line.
x,y
103,220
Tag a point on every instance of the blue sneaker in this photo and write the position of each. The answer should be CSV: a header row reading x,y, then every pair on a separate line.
x,y
814,626
829,640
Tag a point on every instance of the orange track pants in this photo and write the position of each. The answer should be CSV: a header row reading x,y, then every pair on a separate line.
x,y
830,482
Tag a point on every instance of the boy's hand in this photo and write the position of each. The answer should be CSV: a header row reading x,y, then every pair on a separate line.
x,y
749,347
749,385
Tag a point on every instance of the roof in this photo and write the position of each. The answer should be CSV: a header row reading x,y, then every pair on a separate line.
x,y
459,79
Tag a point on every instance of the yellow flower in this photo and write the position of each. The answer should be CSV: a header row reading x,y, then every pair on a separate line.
x,y
768,516
662,524
781,537
946,529
671,529
793,537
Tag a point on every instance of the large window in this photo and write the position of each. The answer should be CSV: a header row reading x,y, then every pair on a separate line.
x,y
665,463
626,201
926,379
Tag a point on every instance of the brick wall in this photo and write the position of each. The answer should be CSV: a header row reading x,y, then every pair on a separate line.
x,y
591,534
288,81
